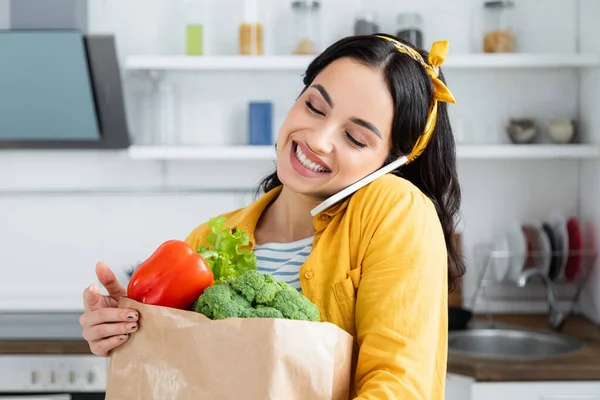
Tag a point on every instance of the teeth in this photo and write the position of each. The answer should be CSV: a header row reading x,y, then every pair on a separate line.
x,y
308,163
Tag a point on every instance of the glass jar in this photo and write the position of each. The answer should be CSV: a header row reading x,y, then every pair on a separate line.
x,y
307,25
194,27
498,30
410,30
365,23
166,114
251,31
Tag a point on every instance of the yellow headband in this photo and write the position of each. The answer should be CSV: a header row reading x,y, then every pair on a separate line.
x,y
437,56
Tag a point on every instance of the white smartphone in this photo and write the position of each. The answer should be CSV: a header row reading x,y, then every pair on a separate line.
x,y
357,185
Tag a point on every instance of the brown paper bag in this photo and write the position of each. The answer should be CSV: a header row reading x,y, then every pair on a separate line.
x,y
177,355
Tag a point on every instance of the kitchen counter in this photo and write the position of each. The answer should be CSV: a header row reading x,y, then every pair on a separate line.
x,y
44,347
583,365
41,333
579,366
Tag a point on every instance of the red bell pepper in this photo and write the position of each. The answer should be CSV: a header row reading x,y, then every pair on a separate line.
x,y
173,276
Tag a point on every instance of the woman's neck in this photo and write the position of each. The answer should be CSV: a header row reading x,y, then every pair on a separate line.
x,y
287,219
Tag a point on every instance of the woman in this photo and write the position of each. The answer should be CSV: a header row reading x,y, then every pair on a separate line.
x,y
380,263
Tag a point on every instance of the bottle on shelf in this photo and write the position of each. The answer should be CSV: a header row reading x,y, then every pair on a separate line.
x,y
409,29
306,15
194,27
366,22
499,36
251,30
260,123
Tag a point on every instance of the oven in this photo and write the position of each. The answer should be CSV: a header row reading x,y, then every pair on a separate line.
x,y
52,377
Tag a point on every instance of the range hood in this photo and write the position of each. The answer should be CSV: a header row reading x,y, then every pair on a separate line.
x,y
60,89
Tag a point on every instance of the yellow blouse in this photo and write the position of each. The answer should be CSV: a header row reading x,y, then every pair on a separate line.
x,y
378,270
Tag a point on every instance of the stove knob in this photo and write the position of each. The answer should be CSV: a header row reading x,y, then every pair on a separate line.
x,y
35,377
72,377
91,377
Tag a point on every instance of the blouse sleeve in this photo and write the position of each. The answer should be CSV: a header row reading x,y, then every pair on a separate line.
x,y
401,304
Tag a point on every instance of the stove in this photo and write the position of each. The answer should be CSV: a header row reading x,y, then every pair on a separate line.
x,y
38,373
44,357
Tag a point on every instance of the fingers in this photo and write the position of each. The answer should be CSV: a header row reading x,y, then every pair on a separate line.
x,y
106,328
92,300
107,316
101,332
103,347
108,279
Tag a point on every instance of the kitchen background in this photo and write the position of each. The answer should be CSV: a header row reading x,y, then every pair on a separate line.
x,y
193,153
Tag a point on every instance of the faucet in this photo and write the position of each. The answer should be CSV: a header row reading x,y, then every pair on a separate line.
x,y
556,318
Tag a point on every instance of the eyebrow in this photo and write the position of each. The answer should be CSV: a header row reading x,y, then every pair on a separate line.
x,y
367,125
357,121
324,93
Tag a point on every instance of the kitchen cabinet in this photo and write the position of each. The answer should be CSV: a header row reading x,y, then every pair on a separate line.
x,y
464,388
458,387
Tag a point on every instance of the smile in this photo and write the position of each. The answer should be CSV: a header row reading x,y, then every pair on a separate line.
x,y
307,163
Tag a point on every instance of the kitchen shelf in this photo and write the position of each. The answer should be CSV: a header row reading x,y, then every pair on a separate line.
x,y
202,153
224,63
528,151
522,60
464,152
299,63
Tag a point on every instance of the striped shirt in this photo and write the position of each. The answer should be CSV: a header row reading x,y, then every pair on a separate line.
x,y
283,260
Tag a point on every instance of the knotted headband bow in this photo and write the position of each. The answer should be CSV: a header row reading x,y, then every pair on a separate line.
x,y
437,56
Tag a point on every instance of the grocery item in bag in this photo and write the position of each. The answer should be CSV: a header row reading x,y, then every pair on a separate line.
x,y
179,354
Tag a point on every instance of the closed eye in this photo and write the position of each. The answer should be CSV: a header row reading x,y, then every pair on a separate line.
x,y
312,108
354,141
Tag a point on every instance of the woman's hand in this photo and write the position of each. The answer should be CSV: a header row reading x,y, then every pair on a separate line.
x,y
104,325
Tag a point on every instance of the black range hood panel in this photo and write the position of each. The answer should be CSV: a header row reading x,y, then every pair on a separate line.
x,y
60,89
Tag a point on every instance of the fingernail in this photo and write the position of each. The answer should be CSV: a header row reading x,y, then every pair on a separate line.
x,y
92,288
132,315
131,326
122,337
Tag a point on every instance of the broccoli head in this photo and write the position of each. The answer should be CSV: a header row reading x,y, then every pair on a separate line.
x,y
256,295
294,305
262,312
285,286
256,287
221,301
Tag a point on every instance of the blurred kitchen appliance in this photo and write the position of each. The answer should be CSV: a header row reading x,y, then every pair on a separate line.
x,y
61,89
44,357
50,377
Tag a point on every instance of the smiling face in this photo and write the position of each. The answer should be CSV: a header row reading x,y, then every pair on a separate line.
x,y
338,131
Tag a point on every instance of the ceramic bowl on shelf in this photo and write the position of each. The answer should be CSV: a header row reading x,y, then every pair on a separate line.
x,y
522,130
561,130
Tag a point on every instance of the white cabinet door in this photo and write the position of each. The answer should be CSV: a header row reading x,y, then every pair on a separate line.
x,y
458,387
537,391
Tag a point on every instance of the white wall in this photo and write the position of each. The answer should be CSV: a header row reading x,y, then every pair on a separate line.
x,y
4,14
590,173
64,235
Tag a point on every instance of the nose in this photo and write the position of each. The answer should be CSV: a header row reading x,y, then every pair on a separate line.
x,y
322,141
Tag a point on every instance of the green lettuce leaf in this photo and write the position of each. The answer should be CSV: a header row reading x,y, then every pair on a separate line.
x,y
224,253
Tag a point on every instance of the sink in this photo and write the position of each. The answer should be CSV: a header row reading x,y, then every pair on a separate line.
x,y
510,344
